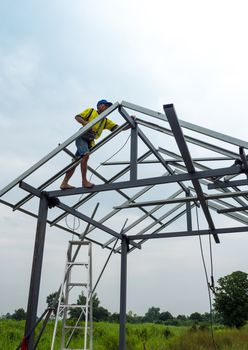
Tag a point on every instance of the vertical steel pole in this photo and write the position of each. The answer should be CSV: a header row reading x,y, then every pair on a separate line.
x,y
36,271
123,293
188,211
134,153
91,299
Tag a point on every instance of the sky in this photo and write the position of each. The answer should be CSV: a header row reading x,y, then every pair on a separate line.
x,y
58,58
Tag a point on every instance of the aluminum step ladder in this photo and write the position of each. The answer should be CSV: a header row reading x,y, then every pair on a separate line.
x,y
77,281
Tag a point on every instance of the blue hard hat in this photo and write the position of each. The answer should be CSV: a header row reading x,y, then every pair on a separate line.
x,y
104,102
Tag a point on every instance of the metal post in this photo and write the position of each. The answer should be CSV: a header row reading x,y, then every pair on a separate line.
x,y
123,293
188,213
91,299
134,153
36,271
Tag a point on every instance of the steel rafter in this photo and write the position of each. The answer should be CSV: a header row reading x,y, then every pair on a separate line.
x,y
179,137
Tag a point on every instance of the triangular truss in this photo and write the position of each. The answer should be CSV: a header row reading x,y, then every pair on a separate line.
x,y
170,167
173,181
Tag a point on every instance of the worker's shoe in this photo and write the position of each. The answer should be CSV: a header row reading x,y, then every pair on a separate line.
x,y
87,184
65,186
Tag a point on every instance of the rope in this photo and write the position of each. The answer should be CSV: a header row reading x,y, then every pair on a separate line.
x,y
206,276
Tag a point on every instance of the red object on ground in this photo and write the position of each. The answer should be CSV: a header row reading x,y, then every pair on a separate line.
x,y
24,344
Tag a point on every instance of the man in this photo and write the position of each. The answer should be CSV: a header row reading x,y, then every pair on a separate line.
x,y
86,141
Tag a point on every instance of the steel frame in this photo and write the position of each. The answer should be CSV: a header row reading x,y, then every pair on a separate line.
x,y
184,180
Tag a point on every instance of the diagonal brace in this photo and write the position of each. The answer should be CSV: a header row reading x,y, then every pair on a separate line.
x,y
76,213
179,137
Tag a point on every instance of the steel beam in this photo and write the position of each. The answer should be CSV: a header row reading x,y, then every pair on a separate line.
x,y
225,184
188,214
201,167
158,156
36,271
187,233
75,213
123,293
162,217
146,182
169,161
58,149
134,154
183,199
231,210
187,125
194,141
92,222
179,137
69,166
127,117
155,222
115,177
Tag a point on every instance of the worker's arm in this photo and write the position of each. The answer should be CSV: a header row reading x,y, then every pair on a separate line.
x,y
80,120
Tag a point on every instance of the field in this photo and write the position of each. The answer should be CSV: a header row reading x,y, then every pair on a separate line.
x,y
139,337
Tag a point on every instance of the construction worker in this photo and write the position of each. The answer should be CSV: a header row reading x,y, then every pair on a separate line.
x,y
86,141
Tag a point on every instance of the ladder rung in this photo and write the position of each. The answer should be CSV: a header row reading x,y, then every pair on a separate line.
x,y
73,306
79,242
70,349
77,284
77,263
76,327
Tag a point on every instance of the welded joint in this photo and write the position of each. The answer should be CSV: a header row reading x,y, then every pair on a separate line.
x,y
244,165
51,201
130,119
126,239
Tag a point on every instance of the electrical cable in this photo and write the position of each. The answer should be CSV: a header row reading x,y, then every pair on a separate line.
x,y
207,280
111,156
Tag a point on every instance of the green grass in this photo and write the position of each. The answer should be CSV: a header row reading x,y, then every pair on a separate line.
x,y
139,337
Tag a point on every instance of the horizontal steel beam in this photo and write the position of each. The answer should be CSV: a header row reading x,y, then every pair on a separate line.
x,y
145,182
225,184
183,199
112,179
190,233
171,160
232,210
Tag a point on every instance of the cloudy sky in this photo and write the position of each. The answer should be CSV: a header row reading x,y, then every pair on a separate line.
x,y
59,57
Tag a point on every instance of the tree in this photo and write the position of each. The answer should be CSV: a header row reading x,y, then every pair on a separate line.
x,y
196,316
165,316
182,317
115,317
231,299
19,314
152,314
52,301
99,312
76,312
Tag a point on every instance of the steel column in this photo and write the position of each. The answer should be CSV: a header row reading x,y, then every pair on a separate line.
x,y
36,271
123,293
188,213
133,153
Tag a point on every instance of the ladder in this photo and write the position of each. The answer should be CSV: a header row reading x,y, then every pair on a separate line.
x,y
77,281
